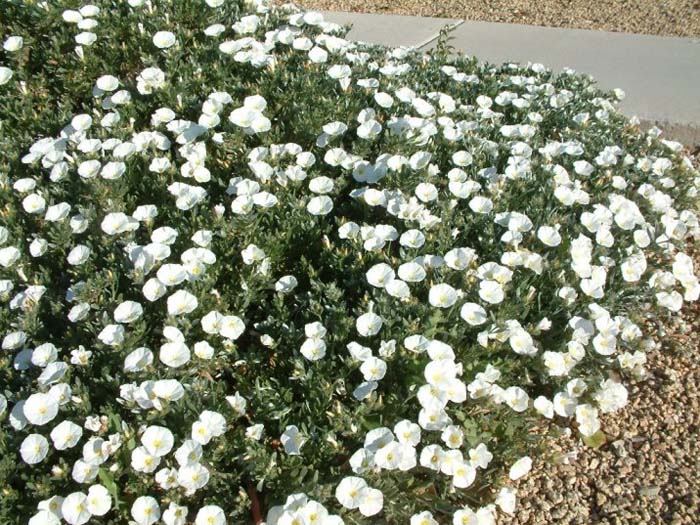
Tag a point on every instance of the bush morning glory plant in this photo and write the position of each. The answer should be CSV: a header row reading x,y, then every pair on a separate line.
x,y
250,270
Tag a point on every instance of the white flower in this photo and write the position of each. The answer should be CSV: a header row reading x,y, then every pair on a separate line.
x,y
112,335
9,256
587,419
313,349
252,254
115,223
138,360
158,441
13,44
181,302
544,406
66,435
480,456
412,239
673,301
34,203
45,517
491,291
149,79
261,124
380,275
373,369
78,312
232,327
506,500
113,170
383,99
520,468
372,502
175,514
189,453
128,312
84,472
89,11
40,408
286,284
5,75
459,258
412,272
480,204
98,500
210,515
407,432
254,432
34,449
44,354
374,197
462,158
605,344
174,354
452,436
463,474
369,129
203,350
192,477
107,83
339,71
611,396
426,192
349,230
244,116
238,403
78,255
164,39
473,314
86,38
583,167
350,492
172,274
167,478
145,510
398,288
442,296
521,342
154,289
292,440
74,509
549,236
368,324
516,398
168,389
211,323
57,212
321,205
38,247
321,185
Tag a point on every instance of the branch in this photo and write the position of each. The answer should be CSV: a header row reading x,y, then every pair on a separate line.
x,y
254,504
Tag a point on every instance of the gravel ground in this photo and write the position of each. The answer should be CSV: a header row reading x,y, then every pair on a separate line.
x,y
656,17
648,471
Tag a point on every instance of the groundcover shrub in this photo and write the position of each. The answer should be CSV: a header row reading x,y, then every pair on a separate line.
x,y
251,270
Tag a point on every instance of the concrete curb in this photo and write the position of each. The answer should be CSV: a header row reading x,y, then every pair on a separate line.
x,y
661,75
392,30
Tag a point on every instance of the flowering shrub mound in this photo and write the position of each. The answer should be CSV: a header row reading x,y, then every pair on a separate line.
x,y
251,270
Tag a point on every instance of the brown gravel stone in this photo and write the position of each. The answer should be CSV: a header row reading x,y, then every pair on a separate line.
x,y
656,17
650,473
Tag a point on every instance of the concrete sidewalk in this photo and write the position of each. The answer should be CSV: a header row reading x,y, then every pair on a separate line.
x,y
661,75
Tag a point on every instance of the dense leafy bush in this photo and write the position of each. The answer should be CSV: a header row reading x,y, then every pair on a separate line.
x,y
242,258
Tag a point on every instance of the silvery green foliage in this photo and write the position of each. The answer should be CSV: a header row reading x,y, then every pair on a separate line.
x,y
244,261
